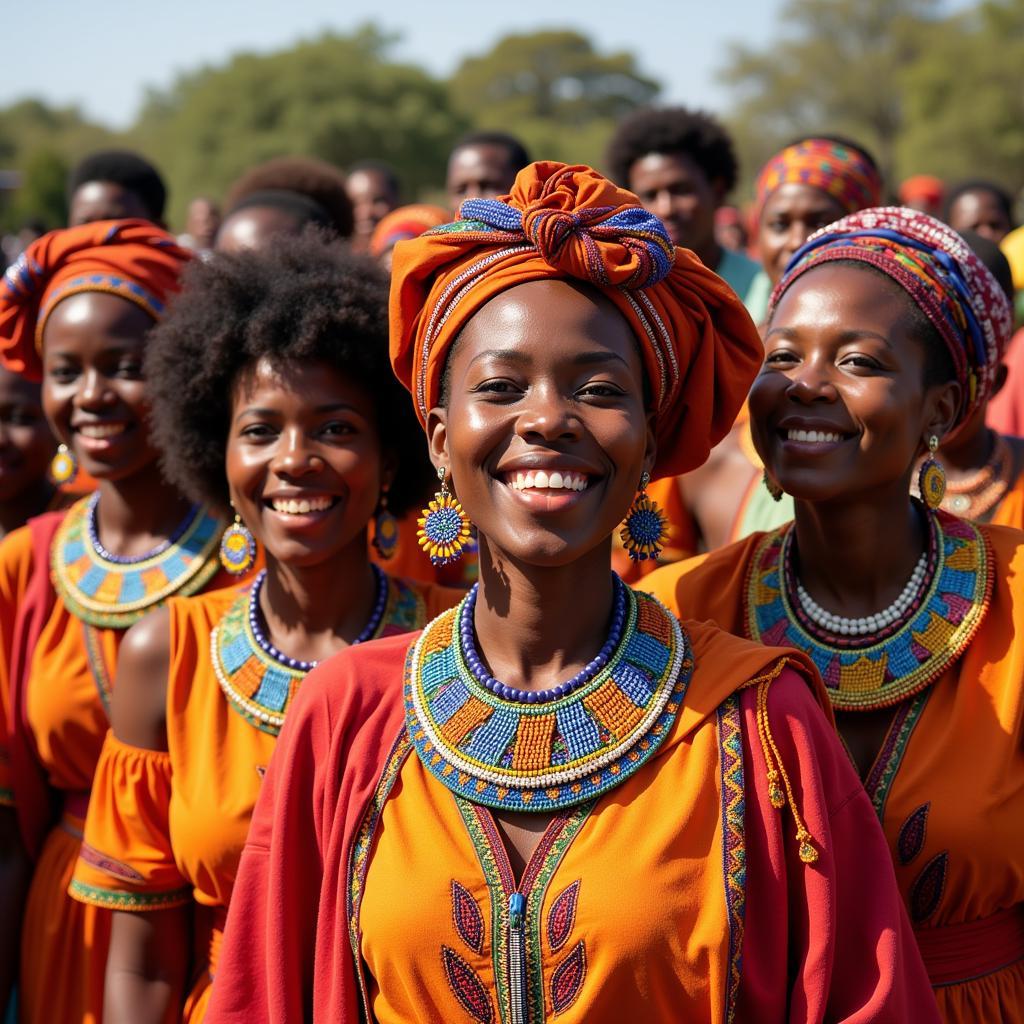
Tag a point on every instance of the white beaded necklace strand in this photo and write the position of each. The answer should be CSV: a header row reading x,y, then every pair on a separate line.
x,y
869,623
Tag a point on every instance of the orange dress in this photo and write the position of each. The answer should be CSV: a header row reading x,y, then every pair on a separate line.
x,y
948,783
1010,510
166,828
64,718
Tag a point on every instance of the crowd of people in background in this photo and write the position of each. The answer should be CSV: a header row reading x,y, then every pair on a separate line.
x,y
575,597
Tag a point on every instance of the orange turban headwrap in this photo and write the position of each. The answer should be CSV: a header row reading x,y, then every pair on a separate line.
x,y
700,348
130,258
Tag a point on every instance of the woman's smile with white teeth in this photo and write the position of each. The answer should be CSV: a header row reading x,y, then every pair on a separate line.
x,y
813,436
539,479
301,506
101,430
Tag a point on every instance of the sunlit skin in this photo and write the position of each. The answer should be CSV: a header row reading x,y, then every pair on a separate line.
x,y
254,228
790,215
674,188
26,448
479,171
373,198
980,211
841,358
520,402
96,400
104,200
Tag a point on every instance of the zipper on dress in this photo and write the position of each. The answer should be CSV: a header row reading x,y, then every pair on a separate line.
x,y
517,958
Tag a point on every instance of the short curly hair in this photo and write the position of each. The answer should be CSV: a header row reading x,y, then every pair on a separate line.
x,y
308,300
319,181
132,172
673,131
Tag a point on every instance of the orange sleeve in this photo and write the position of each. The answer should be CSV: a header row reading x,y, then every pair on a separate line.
x,y
126,861
15,570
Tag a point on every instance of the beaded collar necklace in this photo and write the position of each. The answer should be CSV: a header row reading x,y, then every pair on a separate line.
x,y
258,680
864,672
114,591
545,751
978,495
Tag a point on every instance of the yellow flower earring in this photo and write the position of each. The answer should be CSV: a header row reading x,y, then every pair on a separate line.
x,y
237,548
444,527
63,466
645,525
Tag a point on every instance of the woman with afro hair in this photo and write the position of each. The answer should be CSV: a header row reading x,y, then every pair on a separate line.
x,y
274,398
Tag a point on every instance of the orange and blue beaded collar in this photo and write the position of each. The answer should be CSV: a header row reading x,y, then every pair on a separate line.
x,y
558,753
880,670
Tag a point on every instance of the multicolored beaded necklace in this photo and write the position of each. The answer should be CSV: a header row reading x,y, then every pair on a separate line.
x,y
259,681
545,751
866,672
113,591
978,495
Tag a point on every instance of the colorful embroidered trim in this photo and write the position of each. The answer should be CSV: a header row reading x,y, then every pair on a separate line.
x,y
549,756
881,672
111,900
890,757
115,595
734,850
97,664
260,687
537,876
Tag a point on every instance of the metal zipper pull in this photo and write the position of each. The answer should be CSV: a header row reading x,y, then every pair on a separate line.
x,y
517,958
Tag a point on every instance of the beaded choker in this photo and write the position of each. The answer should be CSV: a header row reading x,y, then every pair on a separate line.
x,y
862,673
114,592
490,744
259,681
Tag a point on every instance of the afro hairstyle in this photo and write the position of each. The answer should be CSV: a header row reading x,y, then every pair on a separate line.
x,y
307,301
673,131
127,169
316,180
518,156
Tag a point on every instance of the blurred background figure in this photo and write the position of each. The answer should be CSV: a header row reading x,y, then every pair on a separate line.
x,y
681,164
201,224
114,184
374,191
483,165
982,207
731,229
18,241
923,192
404,223
283,196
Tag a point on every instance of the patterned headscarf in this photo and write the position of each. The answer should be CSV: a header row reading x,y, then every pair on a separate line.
x,y
699,346
937,269
840,171
404,223
131,258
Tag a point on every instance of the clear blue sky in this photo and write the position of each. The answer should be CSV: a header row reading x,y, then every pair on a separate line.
x,y
103,54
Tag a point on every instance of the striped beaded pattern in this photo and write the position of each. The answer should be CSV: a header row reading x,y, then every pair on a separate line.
x,y
552,755
872,672
116,594
260,687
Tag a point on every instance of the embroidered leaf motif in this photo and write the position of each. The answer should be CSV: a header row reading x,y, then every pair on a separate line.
x,y
468,988
469,922
562,916
567,981
926,892
910,840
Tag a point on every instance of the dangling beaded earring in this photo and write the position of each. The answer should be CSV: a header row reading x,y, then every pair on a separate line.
x,y
931,477
63,466
444,526
237,548
772,487
385,528
645,525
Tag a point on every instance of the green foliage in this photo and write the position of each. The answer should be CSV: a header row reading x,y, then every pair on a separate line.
x,y
553,90
42,193
338,98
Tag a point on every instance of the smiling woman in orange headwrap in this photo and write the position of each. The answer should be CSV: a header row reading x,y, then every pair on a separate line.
x,y
577,808
75,311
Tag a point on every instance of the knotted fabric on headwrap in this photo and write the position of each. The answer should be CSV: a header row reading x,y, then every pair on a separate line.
x,y
406,222
699,346
842,172
131,258
937,269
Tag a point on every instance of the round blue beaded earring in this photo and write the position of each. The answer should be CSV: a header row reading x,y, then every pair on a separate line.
x,y
931,478
385,528
237,548
645,525
63,466
444,527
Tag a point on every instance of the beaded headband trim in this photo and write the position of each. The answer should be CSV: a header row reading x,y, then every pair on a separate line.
x,y
552,755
